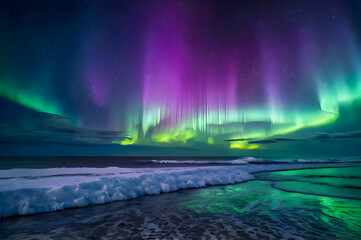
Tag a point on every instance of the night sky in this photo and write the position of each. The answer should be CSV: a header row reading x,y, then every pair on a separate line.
x,y
182,78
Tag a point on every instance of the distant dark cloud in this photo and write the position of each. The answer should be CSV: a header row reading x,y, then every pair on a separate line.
x,y
346,136
263,141
238,139
285,139
50,128
337,136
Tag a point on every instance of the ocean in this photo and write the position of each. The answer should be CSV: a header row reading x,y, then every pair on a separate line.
x,y
322,201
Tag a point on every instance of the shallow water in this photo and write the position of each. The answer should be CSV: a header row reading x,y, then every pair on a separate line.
x,y
277,205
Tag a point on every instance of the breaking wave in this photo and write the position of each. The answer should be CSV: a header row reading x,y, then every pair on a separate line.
x,y
30,191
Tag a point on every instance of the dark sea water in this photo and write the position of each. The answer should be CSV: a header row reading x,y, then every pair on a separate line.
x,y
145,162
98,162
297,204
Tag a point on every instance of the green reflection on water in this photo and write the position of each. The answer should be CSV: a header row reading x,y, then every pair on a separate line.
x,y
346,172
338,215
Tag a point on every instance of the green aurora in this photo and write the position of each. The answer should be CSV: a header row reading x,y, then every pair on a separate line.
x,y
185,87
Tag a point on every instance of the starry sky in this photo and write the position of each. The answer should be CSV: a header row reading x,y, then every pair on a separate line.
x,y
182,78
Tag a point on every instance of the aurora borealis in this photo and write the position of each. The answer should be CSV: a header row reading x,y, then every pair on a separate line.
x,y
235,77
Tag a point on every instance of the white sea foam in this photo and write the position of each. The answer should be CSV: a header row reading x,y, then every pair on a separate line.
x,y
29,191
234,161
248,160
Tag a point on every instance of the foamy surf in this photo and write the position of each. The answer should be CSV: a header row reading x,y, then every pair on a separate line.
x,y
234,161
30,191
250,160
